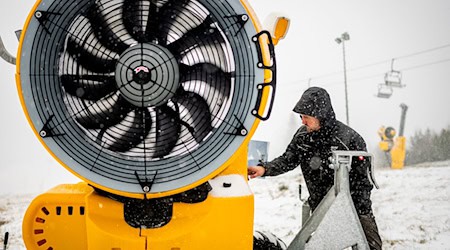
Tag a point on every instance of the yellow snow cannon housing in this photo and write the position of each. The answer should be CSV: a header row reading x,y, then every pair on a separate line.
x,y
394,147
151,104
387,136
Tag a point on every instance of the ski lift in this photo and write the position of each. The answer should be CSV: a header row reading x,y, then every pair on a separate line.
x,y
393,78
384,91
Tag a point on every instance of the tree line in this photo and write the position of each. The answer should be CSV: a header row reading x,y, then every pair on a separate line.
x,y
428,146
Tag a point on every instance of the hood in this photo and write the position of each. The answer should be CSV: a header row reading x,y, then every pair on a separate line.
x,y
316,102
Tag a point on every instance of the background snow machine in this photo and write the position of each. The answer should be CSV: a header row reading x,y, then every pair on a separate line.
x,y
152,103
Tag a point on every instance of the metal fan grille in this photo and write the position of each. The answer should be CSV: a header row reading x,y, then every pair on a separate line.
x,y
123,91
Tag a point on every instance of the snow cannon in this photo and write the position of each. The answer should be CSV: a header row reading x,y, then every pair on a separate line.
x,y
394,147
387,135
151,104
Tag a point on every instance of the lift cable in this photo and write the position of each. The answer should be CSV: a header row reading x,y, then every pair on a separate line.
x,y
359,79
373,64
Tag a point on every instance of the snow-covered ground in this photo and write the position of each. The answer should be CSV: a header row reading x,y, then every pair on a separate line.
x,y
412,207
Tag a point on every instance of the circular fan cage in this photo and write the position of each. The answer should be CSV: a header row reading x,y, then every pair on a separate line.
x,y
125,92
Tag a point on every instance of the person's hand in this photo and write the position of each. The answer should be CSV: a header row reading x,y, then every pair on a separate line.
x,y
255,171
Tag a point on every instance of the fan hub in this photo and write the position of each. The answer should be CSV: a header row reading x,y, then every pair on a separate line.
x,y
142,75
147,75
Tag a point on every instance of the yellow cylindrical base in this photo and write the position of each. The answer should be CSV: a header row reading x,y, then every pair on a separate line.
x,y
75,217
398,153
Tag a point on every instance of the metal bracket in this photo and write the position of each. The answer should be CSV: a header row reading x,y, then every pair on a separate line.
x,y
46,131
344,158
239,130
240,20
42,17
5,55
18,34
146,185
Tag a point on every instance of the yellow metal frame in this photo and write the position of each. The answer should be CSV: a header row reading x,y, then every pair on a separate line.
x,y
74,217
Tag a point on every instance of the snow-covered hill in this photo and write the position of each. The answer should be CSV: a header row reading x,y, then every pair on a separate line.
x,y
412,207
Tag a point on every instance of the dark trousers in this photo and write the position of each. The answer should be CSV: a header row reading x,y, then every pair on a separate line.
x,y
371,231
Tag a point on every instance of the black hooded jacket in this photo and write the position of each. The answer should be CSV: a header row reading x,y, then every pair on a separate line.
x,y
311,151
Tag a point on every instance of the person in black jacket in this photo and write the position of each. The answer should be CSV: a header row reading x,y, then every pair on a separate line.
x,y
311,148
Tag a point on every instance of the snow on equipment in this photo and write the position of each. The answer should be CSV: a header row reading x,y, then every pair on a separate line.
x,y
334,224
152,104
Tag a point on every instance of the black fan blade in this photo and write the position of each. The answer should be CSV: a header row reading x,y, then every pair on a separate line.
x,y
108,26
205,33
129,132
89,87
194,114
176,17
203,72
152,31
142,19
211,83
136,15
203,44
167,130
103,113
86,49
212,53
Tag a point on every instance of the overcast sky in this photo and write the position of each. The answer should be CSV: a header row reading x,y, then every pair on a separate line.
x,y
415,33
380,31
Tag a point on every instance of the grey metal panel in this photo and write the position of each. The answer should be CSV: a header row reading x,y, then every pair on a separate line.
x,y
335,223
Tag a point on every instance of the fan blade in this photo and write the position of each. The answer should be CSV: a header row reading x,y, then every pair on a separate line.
x,y
89,87
194,114
176,17
211,53
203,72
129,132
135,18
211,83
86,49
105,112
205,33
108,26
168,128
203,44
154,21
142,19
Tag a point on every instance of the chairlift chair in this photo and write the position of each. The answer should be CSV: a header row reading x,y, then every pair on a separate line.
x,y
393,78
384,91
